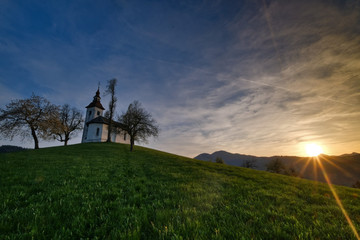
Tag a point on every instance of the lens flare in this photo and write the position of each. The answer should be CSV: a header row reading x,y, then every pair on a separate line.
x,y
337,199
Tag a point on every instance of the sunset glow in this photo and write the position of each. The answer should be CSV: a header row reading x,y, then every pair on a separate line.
x,y
313,150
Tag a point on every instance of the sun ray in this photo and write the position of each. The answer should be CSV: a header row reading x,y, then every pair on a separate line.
x,y
337,199
303,169
315,168
337,166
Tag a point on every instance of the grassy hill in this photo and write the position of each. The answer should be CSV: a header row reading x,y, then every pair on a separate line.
x,y
102,190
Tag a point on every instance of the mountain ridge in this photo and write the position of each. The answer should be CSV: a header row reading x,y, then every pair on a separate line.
x,y
343,169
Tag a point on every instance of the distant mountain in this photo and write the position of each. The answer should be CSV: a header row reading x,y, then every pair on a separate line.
x,y
342,170
350,154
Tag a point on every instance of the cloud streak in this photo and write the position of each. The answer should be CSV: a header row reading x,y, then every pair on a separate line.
x,y
255,77
303,87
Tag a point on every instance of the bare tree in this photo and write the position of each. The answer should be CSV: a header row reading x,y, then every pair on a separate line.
x,y
138,123
68,122
110,89
27,117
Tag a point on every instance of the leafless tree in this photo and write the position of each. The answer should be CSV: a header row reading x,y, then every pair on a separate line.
x,y
68,122
110,89
27,117
138,123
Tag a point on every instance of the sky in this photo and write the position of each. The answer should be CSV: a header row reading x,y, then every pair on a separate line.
x,y
255,77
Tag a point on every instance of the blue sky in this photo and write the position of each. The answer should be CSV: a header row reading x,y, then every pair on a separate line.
x,y
254,77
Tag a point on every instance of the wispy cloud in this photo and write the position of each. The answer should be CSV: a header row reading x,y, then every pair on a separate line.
x,y
273,98
242,77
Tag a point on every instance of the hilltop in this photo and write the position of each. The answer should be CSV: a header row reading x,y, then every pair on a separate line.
x,y
343,170
101,190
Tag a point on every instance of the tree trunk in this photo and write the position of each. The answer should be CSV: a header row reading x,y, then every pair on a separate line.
x,y
66,139
110,123
36,141
109,132
131,143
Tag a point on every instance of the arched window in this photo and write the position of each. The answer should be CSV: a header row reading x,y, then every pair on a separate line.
x,y
90,113
124,136
97,131
98,113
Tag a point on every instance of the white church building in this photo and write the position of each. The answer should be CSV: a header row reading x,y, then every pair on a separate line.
x,y
96,126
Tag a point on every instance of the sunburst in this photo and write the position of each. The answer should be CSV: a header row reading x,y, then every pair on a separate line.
x,y
313,150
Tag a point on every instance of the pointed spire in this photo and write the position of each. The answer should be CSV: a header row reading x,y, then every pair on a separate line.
x,y
96,101
97,95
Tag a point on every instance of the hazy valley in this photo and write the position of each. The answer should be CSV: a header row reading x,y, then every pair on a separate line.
x,y
342,170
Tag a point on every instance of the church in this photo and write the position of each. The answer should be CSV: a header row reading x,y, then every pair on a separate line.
x,y
96,126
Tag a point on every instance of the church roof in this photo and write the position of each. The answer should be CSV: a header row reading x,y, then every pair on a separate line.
x,y
104,120
96,102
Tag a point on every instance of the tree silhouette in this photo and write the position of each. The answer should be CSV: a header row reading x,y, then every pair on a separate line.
x,y
219,160
68,121
357,184
27,117
138,123
275,166
249,163
110,89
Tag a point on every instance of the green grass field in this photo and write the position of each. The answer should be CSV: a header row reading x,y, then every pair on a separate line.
x,y
101,190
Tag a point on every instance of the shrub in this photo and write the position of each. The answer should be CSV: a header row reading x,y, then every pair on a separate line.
x,y
219,160
357,184
250,164
276,166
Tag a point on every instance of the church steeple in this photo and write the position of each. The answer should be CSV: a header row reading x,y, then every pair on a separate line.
x,y
97,97
96,101
94,110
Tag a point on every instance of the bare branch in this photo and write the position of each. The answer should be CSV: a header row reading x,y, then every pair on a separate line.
x,y
22,115
138,123
110,89
66,123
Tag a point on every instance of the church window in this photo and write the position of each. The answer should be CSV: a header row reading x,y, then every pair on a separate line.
x,y
98,113
89,113
124,136
97,131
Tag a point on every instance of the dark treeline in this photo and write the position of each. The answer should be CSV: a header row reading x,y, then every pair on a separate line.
x,y
11,148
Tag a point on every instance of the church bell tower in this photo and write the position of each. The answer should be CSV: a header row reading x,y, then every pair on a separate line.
x,y
94,110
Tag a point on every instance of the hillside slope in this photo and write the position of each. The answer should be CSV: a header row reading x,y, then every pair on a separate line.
x,y
343,170
101,190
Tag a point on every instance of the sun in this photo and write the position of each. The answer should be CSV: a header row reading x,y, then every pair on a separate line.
x,y
313,149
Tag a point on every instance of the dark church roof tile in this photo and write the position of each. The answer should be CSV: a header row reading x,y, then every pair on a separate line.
x,y
104,120
95,104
